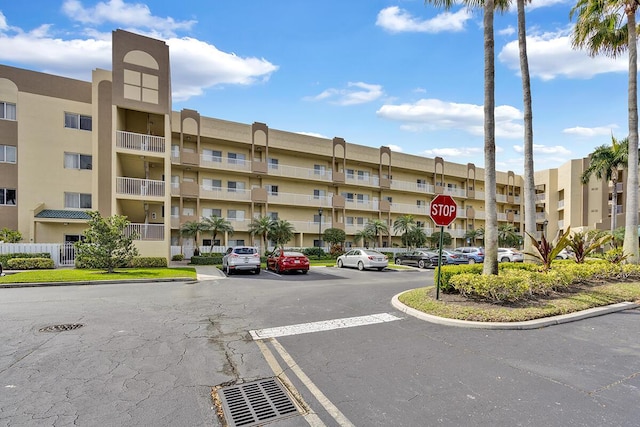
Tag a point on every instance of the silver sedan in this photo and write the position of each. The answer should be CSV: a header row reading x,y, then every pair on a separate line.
x,y
363,258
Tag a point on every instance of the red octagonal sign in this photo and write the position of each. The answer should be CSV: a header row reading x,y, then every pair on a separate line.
x,y
443,210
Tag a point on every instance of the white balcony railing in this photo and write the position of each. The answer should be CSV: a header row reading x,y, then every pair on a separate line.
x,y
502,198
219,193
298,172
310,226
361,204
139,187
372,180
412,186
405,208
299,199
224,163
560,204
541,216
145,231
459,192
540,197
140,142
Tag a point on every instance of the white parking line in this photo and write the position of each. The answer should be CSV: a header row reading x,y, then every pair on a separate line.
x,y
326,325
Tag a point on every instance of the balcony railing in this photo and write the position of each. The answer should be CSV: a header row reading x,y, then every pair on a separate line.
x,y
362,180
459,192
220,193
299,199
140,142
309,226
298,172
406,208
145,231
361,204
139,187
540,197
224,163
412,186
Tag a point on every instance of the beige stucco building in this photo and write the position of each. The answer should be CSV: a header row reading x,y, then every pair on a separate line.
x,y
114,145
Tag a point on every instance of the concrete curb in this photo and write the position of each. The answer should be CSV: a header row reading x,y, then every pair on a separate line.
x,y
529,324
94,282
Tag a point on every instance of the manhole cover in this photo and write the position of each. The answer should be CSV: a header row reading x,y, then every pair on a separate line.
x,y
254,403
62,328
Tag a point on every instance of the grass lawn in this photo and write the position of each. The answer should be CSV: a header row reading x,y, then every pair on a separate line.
x,y
423,299
73,275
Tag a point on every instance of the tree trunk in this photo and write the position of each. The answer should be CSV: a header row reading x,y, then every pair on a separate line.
x,y
529,181
491,228
614,205
630,246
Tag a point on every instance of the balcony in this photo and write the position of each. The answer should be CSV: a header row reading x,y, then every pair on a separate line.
x,y
145,231
412,186
139,187
370,180
175,221
365,205
299,199
560,204
405,208
140,142
456,192
540,216
216,162
310,227
300,173
540,197
219,193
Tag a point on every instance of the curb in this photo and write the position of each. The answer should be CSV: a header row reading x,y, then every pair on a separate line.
x,y
525,325
94,282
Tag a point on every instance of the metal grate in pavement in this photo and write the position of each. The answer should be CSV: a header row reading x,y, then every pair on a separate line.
x,y
61,328
254,403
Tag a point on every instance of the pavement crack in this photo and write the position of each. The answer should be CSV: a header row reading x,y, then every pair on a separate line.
x,y
613,384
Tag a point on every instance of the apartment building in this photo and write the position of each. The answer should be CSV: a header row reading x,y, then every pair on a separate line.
x,y
114,145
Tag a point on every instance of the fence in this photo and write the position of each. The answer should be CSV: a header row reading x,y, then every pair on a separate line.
x,y
62,254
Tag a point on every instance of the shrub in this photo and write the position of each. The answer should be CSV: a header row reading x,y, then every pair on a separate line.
x,y
317,253
30,263
177,257
336,251
506,288
206,260
6,257
147,261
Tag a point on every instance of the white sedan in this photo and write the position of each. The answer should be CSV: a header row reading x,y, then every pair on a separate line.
x,y
363,258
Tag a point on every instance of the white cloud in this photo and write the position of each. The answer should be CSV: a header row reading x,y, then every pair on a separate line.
x,y
396,20
314,134
395,148
118,12
543,149
355,93
536,4
434,114
454,152
551,55
76,57
3,22
590,132
509,31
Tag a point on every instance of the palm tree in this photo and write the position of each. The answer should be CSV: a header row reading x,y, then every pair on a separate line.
x,y
281,232
403,224
474,234
377,228
364,236
191,229
415,237
604,162
261,226
508,236
216,225
600,28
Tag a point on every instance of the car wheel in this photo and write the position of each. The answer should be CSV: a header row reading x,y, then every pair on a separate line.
x,y
340,265
505,259
305,271
278,269
472,261
360,266
380,268
421,263
398,261
257,270
228,270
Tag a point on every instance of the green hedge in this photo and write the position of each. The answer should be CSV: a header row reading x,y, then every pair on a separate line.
x,y
206,260
4,258
30,263
177,257
147,261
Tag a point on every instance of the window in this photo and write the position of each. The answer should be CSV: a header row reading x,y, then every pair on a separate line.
x,y
7,111
235,158
77,161
77,121
273,163
317,194
419,224
348,197
8,154
77,200
363,198
7,197
273,215
235,215
175,211
188,212
351,173
319,169
272,190
388,199
208,213
207,242
233,186
212,184
238,242
422,184
360,220
212,155
175,151
421,203
363,175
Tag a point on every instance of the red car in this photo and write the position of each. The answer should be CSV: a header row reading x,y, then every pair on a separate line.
x,y
281,260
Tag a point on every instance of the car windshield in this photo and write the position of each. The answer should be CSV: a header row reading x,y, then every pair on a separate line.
x,y
294,254
244,251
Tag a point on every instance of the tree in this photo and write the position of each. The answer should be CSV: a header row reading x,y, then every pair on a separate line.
x,y
261,226
281,232
107,245
215,225
434,239
190,229
508,236
403,224
377,227
334,236
10,236
474,234
415,237
604,162
601,28
364,236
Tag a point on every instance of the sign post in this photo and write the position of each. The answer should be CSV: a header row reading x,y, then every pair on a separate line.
x,y
443,211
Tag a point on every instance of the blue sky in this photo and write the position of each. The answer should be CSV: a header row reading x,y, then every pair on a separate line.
x,y
375,72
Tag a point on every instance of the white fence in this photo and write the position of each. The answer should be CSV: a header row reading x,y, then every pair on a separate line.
x,y
63,255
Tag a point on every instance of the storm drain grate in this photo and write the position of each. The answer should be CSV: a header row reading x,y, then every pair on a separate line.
x,y
254,403
62,328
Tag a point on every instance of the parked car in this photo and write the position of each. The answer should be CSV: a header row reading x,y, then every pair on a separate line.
x,y
564,254
473,253
510,255
454,257
282,260
245,258
363,258
423,259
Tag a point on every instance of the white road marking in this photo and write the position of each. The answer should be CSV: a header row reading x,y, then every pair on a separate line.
x,y
326,325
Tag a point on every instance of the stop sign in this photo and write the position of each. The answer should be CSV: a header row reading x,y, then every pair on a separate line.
x,y
443,210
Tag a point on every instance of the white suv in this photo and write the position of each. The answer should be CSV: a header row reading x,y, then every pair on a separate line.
x,y
509,255
241,258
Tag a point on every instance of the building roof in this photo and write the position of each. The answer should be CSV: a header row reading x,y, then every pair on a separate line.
x,y
63,214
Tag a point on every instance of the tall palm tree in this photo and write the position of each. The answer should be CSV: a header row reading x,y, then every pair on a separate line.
x,y
261,226
474,234
377,227
281,232
601,28
364,236
191,229
215,225
403,224
508,236
604,163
